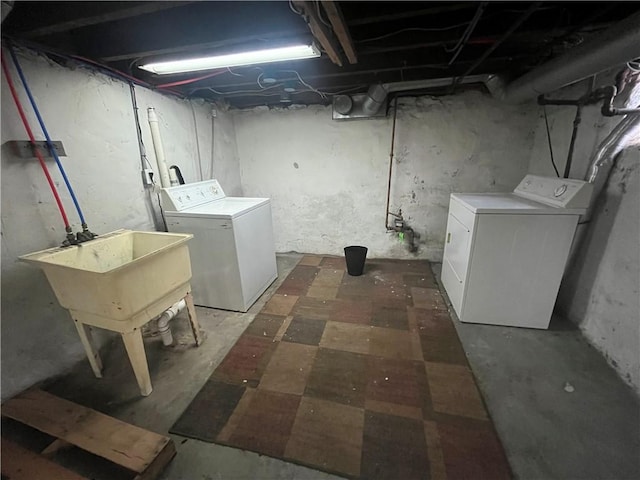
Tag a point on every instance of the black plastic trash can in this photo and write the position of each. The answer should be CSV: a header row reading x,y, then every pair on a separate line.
x,y
355,257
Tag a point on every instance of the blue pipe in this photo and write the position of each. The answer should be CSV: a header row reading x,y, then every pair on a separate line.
x,y
46,134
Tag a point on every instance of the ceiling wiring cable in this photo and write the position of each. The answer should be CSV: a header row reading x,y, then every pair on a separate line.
x,y
470,28
293,8
467,34
634,66
88,63
260,75
514,26
305,83
131,64
191,80
426,29
32,139
412,29
546,122
232,92
234,73
50,145
318,9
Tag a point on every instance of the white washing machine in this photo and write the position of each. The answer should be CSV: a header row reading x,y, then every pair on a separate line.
x,y
232,252
505,253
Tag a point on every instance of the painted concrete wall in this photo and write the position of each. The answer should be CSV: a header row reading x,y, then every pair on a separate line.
x,y
92,115
328,179
600,291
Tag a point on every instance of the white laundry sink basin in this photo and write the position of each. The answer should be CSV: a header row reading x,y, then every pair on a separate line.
x,y
116,275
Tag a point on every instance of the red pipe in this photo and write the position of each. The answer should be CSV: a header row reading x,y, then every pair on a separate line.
x,y
32,139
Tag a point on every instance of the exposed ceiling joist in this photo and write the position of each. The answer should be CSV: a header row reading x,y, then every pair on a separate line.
x,y
102,12
320,32
286,37
391,41
410,14
340,29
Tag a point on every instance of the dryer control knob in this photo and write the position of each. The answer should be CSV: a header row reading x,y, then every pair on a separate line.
x,y
560,190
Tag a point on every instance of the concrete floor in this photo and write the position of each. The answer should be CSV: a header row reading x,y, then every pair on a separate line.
x,y
590,433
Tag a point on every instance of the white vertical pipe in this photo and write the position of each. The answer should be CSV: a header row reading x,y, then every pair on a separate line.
x,y
165,318
165,181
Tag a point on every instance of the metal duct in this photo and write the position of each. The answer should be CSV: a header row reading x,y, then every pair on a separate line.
x,y
370,104
613,144
612,48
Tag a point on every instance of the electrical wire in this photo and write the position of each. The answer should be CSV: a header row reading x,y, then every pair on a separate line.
x,y
234,73
546,122
195,128
320,15
293,9
52,149
467,33
313,89
412,29
213,143
145,161
469,29
634,66
190,80
32,139
86,62
234,92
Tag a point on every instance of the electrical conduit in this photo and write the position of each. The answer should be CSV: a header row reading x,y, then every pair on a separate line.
x,y
52,149
32,139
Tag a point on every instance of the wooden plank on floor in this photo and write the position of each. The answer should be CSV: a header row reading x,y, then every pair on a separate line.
x,y
18,463
131,447
161,461
54,447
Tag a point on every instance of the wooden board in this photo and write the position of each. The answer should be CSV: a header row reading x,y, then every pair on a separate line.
x,y
18,463
129,446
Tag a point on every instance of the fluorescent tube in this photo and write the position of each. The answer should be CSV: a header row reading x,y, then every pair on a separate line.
x,y
297,52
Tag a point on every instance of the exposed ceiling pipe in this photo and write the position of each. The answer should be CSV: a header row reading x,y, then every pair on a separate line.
x,y
615,46
377,94
621,136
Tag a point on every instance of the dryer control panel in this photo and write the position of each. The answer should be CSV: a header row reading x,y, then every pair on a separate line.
x,y
556,192
190,195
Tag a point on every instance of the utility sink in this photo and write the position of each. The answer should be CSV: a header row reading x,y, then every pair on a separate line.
x,y
119,282
116,275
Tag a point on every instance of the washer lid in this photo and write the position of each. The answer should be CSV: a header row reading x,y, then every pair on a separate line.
x,y
228,207
509,203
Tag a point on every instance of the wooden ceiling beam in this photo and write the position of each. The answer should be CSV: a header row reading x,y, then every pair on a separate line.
x,y
340,29
108,14
320,32
410,14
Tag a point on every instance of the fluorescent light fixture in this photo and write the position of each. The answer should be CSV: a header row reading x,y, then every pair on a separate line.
x,y
296,52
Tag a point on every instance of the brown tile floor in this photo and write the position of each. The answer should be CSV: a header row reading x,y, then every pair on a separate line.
x,y
361,376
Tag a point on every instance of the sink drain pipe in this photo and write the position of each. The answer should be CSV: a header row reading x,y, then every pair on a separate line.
x,y
165,318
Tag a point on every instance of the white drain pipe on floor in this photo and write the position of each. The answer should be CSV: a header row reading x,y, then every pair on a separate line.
x,y
165,318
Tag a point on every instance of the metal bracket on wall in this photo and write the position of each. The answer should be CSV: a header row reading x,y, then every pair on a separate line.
x,y
24,148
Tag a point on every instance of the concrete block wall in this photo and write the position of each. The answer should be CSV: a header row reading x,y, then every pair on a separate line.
x,y
92,115
328,179
600,291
